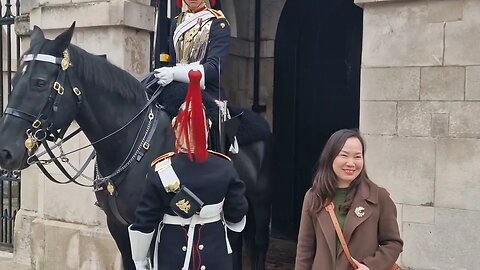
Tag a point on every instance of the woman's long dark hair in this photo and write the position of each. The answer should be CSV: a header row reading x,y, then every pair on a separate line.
x,y
325,180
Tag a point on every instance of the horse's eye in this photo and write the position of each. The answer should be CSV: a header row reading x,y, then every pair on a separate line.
x,y
39,82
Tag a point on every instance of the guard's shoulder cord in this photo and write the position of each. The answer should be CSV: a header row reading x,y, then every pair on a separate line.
x,y
218,13
220,155
162,157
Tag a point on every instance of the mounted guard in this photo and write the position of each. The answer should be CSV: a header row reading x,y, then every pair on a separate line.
x,y
200,39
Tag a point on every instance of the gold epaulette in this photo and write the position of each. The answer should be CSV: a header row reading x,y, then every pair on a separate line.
x,y
218,13
220,155
162,157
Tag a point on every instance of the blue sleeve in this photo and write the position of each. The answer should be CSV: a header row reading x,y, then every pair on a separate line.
x,y
152,205
217,50
235,206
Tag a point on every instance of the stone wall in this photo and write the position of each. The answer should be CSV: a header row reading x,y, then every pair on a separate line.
x,y
58,226
420,101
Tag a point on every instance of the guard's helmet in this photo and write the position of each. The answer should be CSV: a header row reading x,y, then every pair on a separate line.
x,y
190,125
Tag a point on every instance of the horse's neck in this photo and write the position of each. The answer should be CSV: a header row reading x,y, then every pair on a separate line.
x,y
103,113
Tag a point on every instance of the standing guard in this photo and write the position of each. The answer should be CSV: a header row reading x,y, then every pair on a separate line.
x,y
193,196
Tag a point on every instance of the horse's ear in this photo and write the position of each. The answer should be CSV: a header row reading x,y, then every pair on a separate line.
x,y
36,36
63,40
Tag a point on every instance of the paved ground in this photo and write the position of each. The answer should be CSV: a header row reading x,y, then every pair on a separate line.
x,y
281,256
7,264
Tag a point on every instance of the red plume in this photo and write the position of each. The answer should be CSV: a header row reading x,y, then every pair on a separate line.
x,y
191,120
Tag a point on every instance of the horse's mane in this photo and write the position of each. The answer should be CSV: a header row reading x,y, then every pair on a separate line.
x,y
100,72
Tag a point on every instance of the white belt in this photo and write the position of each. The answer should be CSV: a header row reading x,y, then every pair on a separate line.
x,y
213,215
195,220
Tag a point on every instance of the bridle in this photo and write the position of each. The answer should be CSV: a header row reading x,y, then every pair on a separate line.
x,y
43,129
42,124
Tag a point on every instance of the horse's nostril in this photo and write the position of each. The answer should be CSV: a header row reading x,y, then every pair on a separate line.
x,y
5,155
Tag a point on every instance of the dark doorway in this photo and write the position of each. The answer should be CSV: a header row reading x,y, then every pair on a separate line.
x,y
316,92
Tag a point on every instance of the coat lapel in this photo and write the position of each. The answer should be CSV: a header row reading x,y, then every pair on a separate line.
x,y
328,230
365,196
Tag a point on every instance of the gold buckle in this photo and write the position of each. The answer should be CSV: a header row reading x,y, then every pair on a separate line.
x,y
36,123
173,187
59,88
77,91
146,145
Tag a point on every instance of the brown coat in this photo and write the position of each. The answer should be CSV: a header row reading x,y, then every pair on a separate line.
x,y
373,239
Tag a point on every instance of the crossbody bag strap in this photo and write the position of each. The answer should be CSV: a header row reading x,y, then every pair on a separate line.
x,y
330,209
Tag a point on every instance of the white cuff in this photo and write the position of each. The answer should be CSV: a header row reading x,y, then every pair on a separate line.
x,y
237,227
140,244
180,73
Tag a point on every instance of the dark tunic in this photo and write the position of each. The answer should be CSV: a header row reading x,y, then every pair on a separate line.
x,y
215,57
212,181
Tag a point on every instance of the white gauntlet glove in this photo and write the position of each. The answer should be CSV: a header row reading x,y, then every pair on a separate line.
x,y
178,73
140,243
164,75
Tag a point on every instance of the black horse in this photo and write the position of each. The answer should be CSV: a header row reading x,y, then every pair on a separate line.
x,y
58,83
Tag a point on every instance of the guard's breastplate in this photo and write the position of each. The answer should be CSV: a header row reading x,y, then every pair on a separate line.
x,y
191,46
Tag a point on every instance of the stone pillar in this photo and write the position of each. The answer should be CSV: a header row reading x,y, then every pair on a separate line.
x,y
58,226
420,100
238,76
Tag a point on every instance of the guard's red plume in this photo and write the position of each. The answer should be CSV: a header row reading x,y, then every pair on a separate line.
x,y
179,3
191,121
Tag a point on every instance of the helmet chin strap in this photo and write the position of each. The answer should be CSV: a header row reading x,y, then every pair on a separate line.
x,y
186,7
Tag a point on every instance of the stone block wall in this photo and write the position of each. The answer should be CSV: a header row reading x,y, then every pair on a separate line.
x,y
420,102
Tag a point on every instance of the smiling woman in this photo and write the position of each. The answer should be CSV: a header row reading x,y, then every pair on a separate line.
x,y
348,164
365,212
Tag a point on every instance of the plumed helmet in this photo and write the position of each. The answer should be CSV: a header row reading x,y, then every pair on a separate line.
x,y
179,3
190,124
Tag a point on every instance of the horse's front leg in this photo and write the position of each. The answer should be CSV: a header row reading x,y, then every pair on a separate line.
x,y
120,235
262,213
236,244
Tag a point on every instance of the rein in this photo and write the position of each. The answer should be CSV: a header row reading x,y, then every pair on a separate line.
x,y
43,129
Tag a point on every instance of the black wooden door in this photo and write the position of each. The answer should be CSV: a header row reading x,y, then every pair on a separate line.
x,y
316,92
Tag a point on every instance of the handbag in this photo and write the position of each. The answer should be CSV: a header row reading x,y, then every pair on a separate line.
x,y
330,209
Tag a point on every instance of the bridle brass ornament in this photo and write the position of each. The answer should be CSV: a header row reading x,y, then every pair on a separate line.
x,y
65,63
31,144
110,188
34,138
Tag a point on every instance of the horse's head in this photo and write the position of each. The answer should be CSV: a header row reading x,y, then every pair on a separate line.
x,y
42,100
